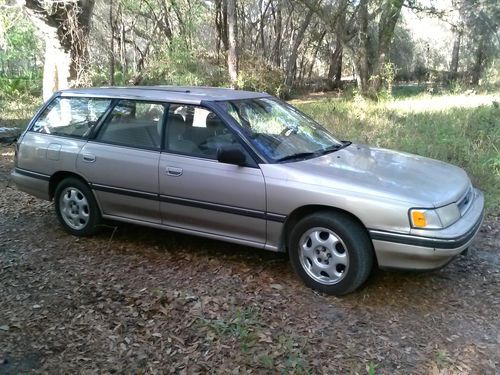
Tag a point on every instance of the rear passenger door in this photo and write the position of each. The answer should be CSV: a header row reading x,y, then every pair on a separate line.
x,y
200,194
121,161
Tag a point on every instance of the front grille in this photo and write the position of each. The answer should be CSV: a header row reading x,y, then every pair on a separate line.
x,y
465,202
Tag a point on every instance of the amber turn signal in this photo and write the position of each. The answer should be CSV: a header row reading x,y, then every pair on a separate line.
x,y
418,219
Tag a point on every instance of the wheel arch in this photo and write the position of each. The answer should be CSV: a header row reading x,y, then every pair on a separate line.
x,y
303,211
57,177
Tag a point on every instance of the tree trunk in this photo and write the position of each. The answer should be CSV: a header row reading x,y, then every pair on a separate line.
x,y
291,65
455,56
388,19
276,53
361,62
56,68
479,59
232,53
111,46
65,26
221,25
335,68
123,50
315,54
300,75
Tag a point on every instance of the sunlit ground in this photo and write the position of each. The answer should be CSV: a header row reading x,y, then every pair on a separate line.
x,y
441,103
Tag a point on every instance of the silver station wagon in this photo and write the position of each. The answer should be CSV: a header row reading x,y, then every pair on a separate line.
x,y
246,168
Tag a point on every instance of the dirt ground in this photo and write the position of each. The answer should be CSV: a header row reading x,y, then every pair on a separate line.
x,y
138,300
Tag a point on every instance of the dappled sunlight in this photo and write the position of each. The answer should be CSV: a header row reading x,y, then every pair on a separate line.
x,y
442,103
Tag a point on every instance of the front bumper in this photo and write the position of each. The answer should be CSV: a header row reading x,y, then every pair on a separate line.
x,y
429,249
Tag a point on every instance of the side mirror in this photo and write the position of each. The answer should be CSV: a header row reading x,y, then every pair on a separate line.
x,y
231,155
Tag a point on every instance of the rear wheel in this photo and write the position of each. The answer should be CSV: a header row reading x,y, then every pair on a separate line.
x,y
331,252
76,207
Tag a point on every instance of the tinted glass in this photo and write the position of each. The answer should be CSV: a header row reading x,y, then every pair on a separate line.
x,y
279,131
196,131
73,117
133,123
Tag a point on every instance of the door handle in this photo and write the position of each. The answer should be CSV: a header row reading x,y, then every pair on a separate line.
x,y
173,171
89,158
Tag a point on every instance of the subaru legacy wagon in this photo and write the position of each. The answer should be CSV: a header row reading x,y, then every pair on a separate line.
x,y
246,168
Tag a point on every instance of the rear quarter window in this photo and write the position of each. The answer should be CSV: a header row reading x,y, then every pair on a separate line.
x,y
71,117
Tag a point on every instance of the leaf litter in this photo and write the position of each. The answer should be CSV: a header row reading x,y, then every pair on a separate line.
x,y
138,300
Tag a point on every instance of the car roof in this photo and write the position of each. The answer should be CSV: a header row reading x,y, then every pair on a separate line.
x,y
180,94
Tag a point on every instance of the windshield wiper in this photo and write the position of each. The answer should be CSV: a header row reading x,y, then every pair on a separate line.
x,y
303,155
300,155
335,148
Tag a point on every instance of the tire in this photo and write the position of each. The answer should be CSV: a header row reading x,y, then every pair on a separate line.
x,y
331,252
76,207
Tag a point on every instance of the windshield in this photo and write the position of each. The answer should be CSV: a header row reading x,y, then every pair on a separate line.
x,y
279,131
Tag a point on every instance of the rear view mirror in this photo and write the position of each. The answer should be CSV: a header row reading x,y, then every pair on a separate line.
x,y
231,155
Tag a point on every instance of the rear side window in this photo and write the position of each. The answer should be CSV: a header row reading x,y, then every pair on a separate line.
x,y
135,124
71,117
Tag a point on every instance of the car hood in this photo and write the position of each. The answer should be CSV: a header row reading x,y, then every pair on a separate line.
x,y
380,172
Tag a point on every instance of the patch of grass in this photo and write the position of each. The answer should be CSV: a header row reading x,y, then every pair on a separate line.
x,y
242,326
293,361
370,368
404,91
459,129
441,358
282,354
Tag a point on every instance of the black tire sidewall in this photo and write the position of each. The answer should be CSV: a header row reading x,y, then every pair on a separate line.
x,y
94,214
359,247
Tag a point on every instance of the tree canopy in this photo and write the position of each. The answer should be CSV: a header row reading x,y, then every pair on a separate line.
x,y
270,45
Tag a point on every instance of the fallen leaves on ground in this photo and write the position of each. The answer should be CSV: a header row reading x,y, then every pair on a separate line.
x,y
150,301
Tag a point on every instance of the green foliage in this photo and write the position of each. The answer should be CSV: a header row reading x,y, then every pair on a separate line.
x,y
387,76
491,79
177,65
446,128
370,368
256,75
16,112
14,87
20,63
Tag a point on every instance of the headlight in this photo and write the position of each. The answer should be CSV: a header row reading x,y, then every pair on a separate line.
x,y
434,218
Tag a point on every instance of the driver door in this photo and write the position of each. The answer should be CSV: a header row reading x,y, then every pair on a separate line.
x,y
199,193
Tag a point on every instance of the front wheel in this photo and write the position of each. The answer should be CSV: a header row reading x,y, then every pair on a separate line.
x,y
331,252
76,207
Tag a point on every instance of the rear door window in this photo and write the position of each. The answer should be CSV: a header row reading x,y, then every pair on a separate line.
x,y
71,117
135,124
